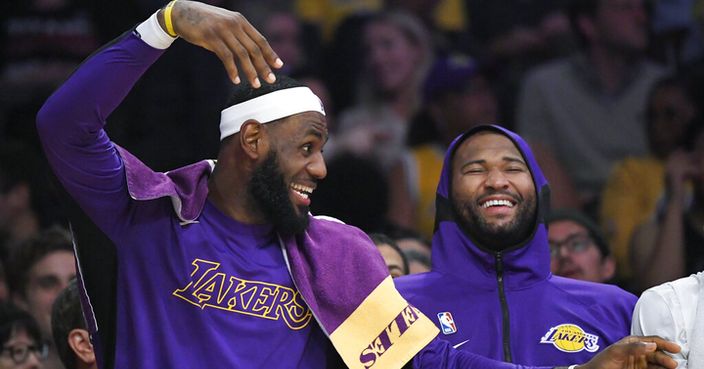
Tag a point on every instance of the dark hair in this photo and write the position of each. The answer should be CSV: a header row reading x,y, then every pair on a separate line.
x,y
382,239
14,319
31,251
66,315
245,92
415,255
578,217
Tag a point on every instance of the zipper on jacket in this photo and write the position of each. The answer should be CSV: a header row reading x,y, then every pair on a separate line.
x,y
504,309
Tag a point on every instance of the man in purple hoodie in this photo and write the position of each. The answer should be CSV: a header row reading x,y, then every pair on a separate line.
x,y
490,290
220,265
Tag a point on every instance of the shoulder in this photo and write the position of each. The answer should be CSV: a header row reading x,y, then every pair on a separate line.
x,y
417,287
596,295
683,291
332,229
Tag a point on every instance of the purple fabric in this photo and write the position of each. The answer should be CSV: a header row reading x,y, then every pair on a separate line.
x,y
463,282
188,184
325,260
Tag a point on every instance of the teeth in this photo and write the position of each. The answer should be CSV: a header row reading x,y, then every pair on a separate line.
x,y
304,191
497,203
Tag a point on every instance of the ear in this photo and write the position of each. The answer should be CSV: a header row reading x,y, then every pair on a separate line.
x,y
79,340
252,134
608,268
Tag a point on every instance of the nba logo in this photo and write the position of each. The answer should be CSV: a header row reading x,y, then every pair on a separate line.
x,y
447,324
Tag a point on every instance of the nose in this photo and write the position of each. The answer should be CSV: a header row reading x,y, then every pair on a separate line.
x,y
496,179
317,168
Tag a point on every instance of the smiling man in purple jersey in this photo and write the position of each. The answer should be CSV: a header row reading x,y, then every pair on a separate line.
x,y
219,264
491,263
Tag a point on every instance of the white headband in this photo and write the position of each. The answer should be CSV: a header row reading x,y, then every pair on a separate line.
x,y
270,107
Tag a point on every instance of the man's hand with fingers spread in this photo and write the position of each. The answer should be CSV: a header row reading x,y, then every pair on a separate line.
x,y
635,353
229,35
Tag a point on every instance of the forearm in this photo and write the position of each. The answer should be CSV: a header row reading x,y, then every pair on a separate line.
x,y
666,262
440,354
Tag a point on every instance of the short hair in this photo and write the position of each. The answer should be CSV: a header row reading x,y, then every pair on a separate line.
x,y
244,91
14,319
33,250
66,315
578,217
382,239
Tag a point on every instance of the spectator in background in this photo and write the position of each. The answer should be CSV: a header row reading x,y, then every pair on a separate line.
x,y
637,182
397,56
584,113
68,326
22,343
669,245
675,311
393,256
513,36
577,247
40,269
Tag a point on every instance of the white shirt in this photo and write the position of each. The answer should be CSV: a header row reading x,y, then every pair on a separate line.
x,y
669,311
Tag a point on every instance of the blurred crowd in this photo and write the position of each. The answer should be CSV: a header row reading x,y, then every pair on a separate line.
x,y
608,93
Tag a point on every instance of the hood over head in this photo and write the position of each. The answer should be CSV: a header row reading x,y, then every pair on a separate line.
x,y
457,252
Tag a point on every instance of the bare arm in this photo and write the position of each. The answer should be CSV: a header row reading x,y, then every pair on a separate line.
x,y
664,260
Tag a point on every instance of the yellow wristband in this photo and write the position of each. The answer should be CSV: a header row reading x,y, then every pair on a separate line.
x,y
167,19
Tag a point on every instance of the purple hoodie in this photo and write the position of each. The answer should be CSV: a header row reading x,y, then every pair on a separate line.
x,y
507,305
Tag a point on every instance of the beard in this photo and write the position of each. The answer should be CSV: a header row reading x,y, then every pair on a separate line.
x,y
271,194
492,236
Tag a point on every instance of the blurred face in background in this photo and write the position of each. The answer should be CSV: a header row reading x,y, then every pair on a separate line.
x,y
45,280
622,25
393,260
575,255
392,58
670,111
22,352
283,31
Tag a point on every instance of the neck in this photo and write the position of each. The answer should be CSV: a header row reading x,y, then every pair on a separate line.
x,y
610,66
229,194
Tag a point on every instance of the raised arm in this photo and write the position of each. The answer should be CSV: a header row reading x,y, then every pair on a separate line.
x,y
71,122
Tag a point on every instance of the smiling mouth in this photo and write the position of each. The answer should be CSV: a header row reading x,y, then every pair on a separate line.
x,y
301,190
492,203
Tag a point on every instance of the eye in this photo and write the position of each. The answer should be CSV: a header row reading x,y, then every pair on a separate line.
x,y
307,148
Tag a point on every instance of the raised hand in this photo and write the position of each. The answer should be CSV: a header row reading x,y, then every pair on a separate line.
x,y
229,35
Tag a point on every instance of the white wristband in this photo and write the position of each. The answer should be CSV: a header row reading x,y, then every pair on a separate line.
x,y
572,366
153,35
